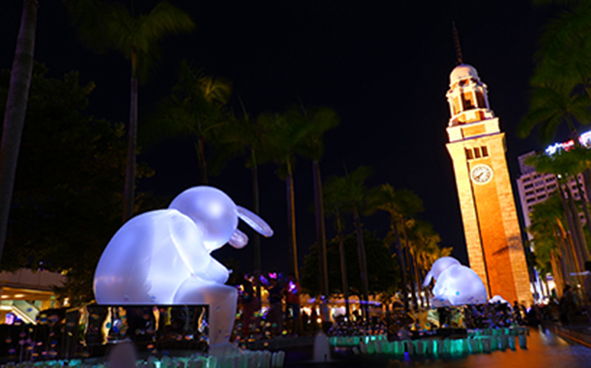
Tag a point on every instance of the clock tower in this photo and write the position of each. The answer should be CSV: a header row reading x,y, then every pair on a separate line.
x,y
491,228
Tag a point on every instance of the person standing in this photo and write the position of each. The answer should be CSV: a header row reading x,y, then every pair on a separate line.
x,y
250,304
292,304
275,313
567,305
325,314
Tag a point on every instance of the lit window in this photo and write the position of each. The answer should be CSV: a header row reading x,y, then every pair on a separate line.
x,y
484,151
477,152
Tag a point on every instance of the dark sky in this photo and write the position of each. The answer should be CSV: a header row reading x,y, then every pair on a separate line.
x,y
382,65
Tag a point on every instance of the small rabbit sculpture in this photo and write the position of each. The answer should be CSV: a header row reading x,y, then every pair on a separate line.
x,y
455,284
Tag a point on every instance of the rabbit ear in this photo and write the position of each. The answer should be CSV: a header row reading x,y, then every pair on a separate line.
x,y
238,239
254,221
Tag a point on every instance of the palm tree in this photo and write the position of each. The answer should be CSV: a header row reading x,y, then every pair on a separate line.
x,y
384,198
319,121
244,138
561,91
334,197
107,26
424,251
197,108
549,241
552,106
283,134
16,107
352,195
408,205
566,166
564,48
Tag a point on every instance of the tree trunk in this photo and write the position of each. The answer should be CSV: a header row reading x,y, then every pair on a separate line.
x,y
417,279
402,265
345,283
129,195
573,233
291,222
558,279
546,287
409,263
413,288
254,172
567,251
362,262
559,256
320,227
200,148
16,107
584,200
582,251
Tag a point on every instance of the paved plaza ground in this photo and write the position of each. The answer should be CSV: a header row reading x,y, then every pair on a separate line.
x,y
550,346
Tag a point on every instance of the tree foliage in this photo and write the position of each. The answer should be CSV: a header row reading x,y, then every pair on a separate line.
x,y
383,275
543,228
111,26
105,26
68,191
561,80
15,111
196,108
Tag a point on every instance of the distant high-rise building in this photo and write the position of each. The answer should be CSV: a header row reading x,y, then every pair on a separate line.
x,y
491,227
534,187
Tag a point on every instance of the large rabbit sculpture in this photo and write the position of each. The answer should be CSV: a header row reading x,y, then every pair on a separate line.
x,y
163,257
455,284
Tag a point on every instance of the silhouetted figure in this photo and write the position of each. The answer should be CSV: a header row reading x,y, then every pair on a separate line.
x,y
249,304
566,306
275,313
292,304
443,317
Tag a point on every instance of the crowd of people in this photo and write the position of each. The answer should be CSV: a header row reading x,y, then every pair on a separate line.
x,y
284,315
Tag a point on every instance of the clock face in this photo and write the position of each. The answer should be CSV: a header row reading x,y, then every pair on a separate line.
x,y
481,174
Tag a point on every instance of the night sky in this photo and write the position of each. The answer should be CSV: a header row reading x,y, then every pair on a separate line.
x,y
382,65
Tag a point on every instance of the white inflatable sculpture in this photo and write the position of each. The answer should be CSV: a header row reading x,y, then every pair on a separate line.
x,y
455,284
163,257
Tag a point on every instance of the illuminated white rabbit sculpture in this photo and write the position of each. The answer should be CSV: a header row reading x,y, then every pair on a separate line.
x,y
163,257
455,284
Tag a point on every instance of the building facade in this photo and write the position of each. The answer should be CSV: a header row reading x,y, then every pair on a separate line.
x,y
534,187
491,227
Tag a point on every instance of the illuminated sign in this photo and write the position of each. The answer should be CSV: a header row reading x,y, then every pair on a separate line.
x,y
584,139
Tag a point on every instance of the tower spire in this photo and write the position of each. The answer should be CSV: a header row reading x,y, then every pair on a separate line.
x,y
457,43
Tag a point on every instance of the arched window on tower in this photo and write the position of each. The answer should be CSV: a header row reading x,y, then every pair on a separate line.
x,y
480,100
468,101
477,152
455,106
